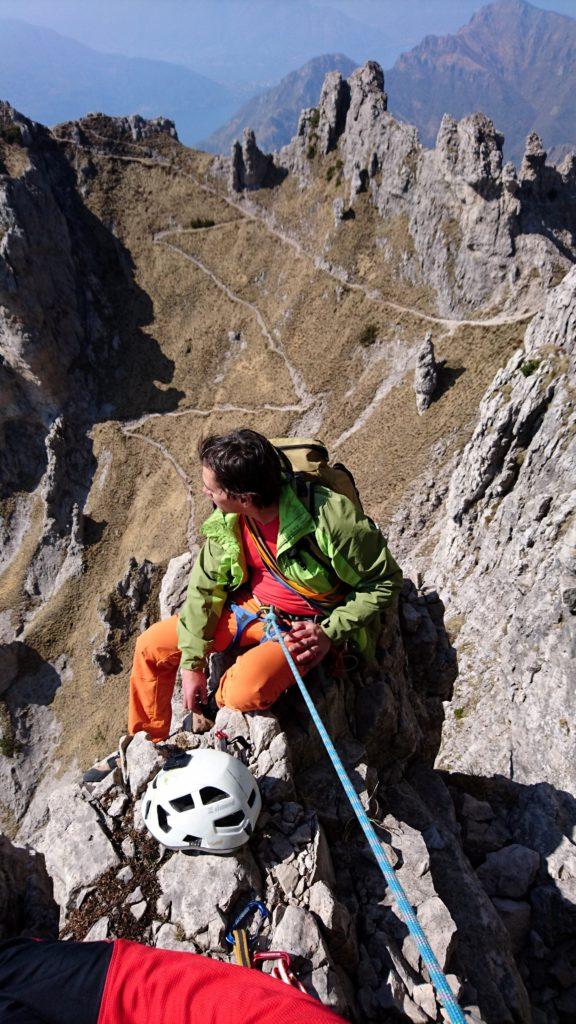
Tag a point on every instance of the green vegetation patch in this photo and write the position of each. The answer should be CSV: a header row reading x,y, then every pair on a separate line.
x,y
528,367
335,169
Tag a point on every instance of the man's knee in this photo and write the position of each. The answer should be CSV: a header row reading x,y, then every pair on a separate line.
x,y
156,644
251,690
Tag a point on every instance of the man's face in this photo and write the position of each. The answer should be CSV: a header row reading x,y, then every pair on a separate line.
x,y
212,489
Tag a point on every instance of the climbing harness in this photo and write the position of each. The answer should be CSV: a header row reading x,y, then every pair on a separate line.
x,y
437,976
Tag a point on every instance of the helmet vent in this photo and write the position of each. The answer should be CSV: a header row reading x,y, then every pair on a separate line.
x,y
211,795
231,819
183,803
193,840
163,819
146,809
252,798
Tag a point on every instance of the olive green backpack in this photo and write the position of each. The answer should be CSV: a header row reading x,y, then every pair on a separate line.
x,y
307,460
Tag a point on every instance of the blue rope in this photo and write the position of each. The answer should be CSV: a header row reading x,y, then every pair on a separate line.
x,y
437,976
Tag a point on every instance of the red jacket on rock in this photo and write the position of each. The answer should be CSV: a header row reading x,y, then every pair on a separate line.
x,y
125,983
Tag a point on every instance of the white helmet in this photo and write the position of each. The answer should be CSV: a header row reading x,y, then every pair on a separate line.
x,y
203,800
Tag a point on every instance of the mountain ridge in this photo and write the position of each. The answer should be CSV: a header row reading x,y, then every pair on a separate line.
x,y
504,61
514,62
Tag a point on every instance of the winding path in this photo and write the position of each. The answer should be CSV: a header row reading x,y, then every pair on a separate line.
x,y
251,211
248,210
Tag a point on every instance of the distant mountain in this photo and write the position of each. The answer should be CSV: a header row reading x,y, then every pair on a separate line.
x,y
52,78
514,62
274,113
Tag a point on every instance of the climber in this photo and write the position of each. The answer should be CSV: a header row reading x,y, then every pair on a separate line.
x,y
120,982
327,571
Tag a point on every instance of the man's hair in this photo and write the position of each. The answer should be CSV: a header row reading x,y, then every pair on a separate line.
x,y
244,462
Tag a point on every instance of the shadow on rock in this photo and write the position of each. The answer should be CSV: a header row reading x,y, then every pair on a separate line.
x,y
520,840
27,905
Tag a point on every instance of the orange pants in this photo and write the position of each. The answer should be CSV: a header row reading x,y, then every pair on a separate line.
x,y
254,681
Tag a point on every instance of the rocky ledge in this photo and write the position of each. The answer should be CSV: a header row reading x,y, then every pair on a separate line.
x,y
487,865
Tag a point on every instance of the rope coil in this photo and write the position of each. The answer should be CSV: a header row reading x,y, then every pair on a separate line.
x,y
437,976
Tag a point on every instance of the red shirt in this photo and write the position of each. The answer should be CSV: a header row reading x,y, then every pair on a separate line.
x,y
159,986
262,583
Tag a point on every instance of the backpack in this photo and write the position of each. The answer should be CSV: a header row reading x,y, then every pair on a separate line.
x,y
306,459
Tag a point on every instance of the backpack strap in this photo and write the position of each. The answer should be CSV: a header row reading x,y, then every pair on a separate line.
x,y
306,492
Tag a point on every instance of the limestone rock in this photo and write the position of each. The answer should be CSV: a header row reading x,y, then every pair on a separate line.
x,y
425,375
32,732
332,110
510,509
76,848
175,582
119,612
169,937
295,930
103,128
440,928
143,761
203,889
98,931
509,872
251,169
8,665
475,228
26,900
516,916
534,158
335,919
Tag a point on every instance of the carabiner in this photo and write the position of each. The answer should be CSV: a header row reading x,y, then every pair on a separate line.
x,y
250,908
273,954
281,969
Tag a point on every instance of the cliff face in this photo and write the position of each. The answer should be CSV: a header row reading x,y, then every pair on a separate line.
x,y
506,557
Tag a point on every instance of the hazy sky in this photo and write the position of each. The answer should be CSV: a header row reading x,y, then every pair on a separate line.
x,y
215,37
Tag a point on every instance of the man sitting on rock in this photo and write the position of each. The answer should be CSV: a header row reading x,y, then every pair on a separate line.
x,y
326,570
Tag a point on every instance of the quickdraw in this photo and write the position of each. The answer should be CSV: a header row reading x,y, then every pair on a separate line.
x,y
242,943
222,741
238,936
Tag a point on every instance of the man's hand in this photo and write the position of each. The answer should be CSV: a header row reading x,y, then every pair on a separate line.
x,y
194,688
308,644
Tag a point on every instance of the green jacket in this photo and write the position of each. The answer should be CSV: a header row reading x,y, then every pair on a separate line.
x,y
350,541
